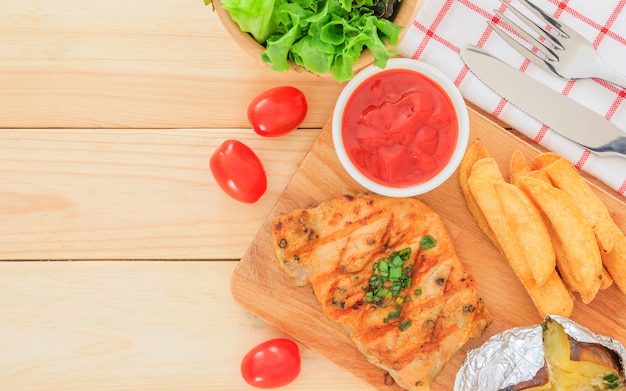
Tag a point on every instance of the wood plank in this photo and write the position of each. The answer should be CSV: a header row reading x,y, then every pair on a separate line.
x,y
140,64
86,326
124,194
259,285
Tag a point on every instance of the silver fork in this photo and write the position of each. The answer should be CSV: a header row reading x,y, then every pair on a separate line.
x,y
566,53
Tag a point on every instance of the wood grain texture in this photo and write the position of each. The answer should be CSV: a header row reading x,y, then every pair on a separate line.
x,y
259,286
109,112
131,194
140,64
157,326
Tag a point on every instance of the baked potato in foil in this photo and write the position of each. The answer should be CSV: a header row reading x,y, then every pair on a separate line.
x,y
558,354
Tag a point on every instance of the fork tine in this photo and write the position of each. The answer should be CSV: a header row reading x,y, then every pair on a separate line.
x,y
563,29
521,49
534,26
550,54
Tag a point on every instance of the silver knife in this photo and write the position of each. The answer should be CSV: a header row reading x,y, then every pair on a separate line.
x,y
561,114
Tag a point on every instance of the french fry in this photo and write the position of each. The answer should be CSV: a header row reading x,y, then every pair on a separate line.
x,y
578,256
561,259
545,216
518,166
615,261
607,280
552,296
484,174
474,152
529,227
564,176
544,159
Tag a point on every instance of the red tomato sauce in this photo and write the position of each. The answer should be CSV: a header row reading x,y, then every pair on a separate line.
x,y
399,128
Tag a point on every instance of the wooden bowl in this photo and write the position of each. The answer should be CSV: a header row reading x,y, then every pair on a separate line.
x,y
406,13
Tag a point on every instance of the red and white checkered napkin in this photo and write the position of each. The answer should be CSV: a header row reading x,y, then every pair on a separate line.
x,y
442,27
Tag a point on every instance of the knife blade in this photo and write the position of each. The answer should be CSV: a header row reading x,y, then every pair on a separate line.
x,y
563,115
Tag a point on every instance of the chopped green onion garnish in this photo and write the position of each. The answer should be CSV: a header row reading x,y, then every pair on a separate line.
x,y
396,261
382,293
395,314
417,292
405,324
611,380
405,254
384,267
428,242
395,272
388,279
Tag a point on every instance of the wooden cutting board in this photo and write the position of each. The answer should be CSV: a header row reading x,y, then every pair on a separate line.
x,y
258,285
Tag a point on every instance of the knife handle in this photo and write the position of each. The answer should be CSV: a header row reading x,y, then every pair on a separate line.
x,y
616,147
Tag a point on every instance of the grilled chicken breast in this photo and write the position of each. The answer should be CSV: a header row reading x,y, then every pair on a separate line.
x,y
385,269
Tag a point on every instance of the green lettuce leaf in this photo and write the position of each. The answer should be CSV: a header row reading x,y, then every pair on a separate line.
x,y
321,36
253,16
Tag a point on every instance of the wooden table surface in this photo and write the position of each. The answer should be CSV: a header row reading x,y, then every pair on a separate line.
x,y
117,246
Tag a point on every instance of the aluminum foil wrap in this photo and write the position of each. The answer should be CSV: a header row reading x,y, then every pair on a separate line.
x,y
515,355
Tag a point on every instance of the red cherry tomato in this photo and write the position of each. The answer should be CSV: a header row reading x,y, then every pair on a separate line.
x,y
238,171
271,364
277,111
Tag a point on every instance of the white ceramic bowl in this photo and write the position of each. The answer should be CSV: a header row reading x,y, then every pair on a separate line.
x,y
460,110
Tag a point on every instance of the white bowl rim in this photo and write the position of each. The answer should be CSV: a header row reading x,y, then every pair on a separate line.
x,y
460,108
